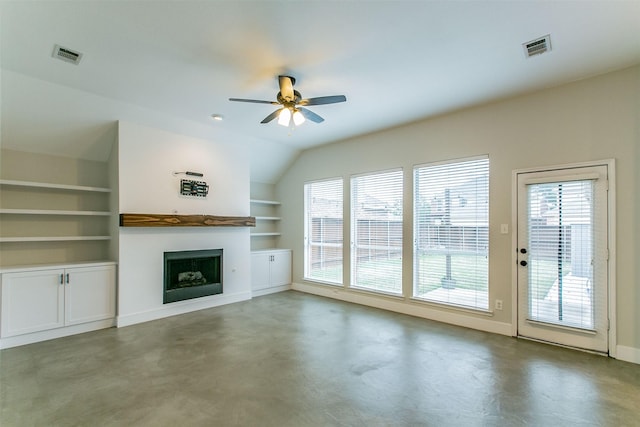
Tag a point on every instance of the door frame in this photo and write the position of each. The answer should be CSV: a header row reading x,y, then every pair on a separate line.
x,y
611,242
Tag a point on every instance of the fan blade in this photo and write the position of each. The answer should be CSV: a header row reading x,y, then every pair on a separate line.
x,y
310,115
286,87
255,101
271,116
323,100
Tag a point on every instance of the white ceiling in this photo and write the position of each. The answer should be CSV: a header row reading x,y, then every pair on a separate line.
x,y
174,63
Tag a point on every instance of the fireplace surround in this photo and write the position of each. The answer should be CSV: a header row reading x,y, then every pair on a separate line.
x,y
192,274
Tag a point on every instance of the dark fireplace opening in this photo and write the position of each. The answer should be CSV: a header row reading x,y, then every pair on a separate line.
x,y
192,274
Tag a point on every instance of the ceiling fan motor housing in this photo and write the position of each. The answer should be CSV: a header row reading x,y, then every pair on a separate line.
x,y
284,101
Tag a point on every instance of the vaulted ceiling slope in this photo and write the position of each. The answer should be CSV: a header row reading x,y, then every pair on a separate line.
x,y
172,64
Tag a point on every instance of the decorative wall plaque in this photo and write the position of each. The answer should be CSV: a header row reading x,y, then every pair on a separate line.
x,y
189,187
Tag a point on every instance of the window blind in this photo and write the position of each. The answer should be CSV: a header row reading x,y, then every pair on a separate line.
x,y
376,232
323,231
451,232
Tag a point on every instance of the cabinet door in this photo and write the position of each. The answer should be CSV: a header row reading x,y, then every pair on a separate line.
x,y
280,268
260,270
90,294
32,301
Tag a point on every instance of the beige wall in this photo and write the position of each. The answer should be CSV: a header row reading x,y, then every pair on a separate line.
x,y
592,119
24,166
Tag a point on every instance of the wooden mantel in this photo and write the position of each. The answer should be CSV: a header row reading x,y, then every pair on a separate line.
x,y
174,220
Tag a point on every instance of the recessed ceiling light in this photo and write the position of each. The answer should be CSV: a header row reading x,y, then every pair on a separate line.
x,y
217,117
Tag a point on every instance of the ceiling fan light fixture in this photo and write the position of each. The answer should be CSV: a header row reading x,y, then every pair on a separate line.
x,y
298,118
284,118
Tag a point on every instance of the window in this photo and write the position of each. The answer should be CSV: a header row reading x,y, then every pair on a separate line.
x,y
560,253
376,232
451,233
323,231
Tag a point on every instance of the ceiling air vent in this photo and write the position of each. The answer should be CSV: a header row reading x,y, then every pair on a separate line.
x,y
537,46
66,54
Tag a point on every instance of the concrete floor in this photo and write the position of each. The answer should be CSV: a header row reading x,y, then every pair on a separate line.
x,y
291,359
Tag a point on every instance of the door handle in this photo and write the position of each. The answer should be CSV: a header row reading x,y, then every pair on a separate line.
x,y
67,277
523,263
523,251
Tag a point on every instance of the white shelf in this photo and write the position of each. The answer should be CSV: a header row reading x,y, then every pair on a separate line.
x,y
267,211
48,203
264,202
52,239
53,212
53,186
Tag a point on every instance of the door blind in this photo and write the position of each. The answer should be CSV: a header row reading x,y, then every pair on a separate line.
x,y
561,253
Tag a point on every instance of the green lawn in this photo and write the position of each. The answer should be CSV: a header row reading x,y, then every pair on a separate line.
x,y
466,269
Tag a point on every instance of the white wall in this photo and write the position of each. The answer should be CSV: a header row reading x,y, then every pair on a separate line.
x,y
593,119
147,160
79,124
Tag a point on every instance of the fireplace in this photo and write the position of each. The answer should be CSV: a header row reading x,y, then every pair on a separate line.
x,y
192,274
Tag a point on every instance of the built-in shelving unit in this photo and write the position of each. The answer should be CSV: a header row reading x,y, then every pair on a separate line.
x,y
44,213
265,223
267,229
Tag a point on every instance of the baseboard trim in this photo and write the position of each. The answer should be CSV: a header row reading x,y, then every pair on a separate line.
x,y
51,334
628,354
410,308
181,307
268,291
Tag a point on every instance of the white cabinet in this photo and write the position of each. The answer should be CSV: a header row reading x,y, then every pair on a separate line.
x,y
32,301
90,294
39,300
270,271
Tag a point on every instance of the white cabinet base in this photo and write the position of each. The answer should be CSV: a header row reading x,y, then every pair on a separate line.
x,y
44,302
272,290
270,271
34,337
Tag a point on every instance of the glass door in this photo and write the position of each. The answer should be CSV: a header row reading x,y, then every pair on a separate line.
x,y
563,257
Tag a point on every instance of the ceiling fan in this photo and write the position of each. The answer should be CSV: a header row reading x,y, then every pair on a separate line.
x,y
293,104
